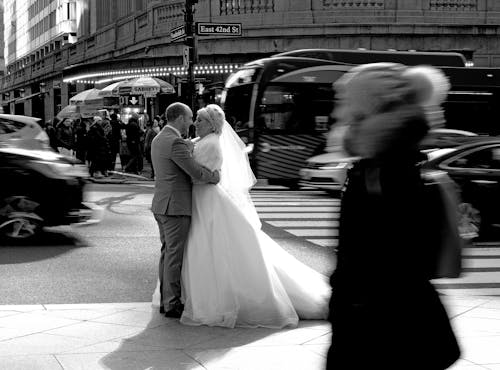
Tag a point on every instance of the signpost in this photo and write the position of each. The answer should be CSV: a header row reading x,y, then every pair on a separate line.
x,y
177,32
219,29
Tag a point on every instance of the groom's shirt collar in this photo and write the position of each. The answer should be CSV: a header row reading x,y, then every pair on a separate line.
x,y
174,130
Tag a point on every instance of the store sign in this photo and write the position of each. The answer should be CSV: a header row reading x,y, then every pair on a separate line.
x,y
131,100
148,91
219,29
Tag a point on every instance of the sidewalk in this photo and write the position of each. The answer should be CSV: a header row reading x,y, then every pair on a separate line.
x,y
134,336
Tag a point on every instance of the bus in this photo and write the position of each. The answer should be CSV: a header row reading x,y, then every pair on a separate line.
x,y
282,106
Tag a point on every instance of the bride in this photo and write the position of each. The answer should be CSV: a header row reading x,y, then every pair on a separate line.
x,y
234,274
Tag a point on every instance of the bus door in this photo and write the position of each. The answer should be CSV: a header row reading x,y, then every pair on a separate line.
x,y
292,118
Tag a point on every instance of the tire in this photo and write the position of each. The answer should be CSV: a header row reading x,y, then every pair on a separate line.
x,y
19,218
471,225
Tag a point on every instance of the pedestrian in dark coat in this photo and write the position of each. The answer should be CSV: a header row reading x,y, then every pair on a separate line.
x,y
51,133
152,130
384,311
81,140
64,135
114,138
133,132
98,149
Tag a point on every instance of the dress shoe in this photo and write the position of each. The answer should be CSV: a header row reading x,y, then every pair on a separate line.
x,y
175,313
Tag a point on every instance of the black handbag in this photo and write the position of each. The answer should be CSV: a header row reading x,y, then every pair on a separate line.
x,y
445,244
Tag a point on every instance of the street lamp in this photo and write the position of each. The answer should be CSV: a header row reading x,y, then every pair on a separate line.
x,y
43,91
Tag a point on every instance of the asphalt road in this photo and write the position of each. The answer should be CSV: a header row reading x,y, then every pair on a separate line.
x,y
112,261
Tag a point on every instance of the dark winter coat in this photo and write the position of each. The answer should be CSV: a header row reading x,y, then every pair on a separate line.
x,y
97,144
384,311
64,136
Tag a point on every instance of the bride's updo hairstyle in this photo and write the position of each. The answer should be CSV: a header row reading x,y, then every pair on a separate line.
x,y
215,115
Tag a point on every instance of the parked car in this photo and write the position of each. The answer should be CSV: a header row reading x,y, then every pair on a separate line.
x,y
475,168
39,188
22,131
328,171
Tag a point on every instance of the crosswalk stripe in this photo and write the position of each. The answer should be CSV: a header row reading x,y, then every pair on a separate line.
x,y
295,203
313,232
298,209
324,242
286,215
315,218
304,223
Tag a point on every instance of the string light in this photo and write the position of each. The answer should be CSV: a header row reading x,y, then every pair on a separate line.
x,y
116,75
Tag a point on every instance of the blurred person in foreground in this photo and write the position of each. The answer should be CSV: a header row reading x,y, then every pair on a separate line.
x,y
384,311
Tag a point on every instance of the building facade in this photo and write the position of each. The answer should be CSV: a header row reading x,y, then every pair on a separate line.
x,y
56,48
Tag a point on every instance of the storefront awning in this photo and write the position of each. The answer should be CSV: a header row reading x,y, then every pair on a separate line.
x,y
18,100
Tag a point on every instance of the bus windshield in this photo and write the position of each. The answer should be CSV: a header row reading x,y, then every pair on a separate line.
x,y
295,108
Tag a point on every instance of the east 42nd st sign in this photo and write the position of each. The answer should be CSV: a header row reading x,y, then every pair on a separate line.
x,y
229,29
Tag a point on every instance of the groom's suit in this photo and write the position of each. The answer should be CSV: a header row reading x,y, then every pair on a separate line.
x,y
174,169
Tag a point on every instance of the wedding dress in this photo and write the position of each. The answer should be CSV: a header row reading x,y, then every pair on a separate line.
x,y
233,273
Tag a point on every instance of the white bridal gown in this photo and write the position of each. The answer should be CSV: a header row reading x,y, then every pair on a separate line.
x,y
233,273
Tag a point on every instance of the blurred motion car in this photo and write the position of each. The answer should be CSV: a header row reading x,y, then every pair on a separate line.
x,y
475,167
328,171
22,131
39,188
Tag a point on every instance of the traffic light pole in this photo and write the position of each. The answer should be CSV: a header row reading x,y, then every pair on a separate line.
x,y
190,42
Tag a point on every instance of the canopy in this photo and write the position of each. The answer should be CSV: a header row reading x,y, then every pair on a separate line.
x,y
111,90
90,96
145,85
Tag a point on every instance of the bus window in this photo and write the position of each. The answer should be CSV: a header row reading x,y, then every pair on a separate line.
x,y
296,108
237,102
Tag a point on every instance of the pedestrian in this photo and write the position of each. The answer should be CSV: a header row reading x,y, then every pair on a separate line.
x,y
152,130
51,133
81,140
133,139
65,139
114,138
98,149
384,311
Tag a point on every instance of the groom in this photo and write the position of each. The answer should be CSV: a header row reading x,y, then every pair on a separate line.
x,y
174,169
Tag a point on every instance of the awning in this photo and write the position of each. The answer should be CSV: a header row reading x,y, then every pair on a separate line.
x,y
18,100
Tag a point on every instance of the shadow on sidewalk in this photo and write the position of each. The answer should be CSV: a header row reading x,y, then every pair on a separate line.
x,y
167,344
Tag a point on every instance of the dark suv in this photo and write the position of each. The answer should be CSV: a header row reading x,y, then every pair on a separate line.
x,y
39,188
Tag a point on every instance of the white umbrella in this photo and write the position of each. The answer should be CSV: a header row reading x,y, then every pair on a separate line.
x,y
145,85
74,111
90,96
111,90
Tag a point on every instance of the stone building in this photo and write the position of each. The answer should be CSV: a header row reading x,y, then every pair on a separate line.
x,y
101,41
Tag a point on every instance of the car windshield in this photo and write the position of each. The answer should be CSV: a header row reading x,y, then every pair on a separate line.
x,y
8,126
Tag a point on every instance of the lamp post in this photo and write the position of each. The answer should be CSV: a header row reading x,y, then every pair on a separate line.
x,y
190,42
42,100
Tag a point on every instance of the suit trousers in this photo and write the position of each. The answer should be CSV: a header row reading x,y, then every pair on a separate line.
x,y
173,236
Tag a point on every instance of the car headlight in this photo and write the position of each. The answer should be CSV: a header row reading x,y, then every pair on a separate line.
x,y
334,166
66,169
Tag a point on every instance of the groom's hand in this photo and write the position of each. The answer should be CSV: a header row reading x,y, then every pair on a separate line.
x,y
216,178
190,145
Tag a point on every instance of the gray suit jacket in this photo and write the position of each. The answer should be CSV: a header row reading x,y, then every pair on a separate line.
x,y
174,168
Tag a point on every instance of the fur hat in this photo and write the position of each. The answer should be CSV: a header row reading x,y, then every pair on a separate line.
x,y
384,106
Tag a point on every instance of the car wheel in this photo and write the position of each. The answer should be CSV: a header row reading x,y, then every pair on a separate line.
x,y
470,222
19,217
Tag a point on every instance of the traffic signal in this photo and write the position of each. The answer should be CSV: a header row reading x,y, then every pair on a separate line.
x,y
189,41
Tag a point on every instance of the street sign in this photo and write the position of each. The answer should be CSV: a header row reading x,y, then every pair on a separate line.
x,y
131,100
185,56
177,32
219,29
